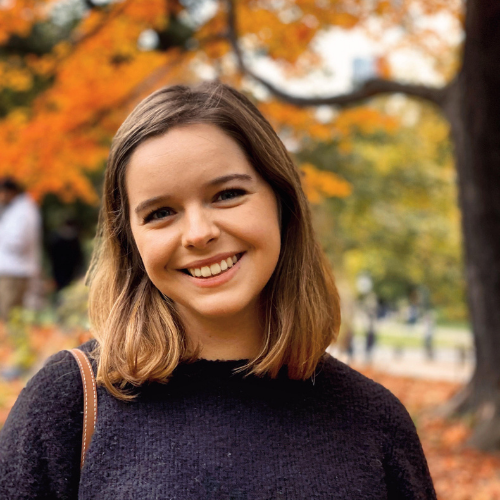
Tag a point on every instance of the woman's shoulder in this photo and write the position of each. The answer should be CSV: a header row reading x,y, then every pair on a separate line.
x,y
56,385
354,389
40,441
371,408
61,367
340,375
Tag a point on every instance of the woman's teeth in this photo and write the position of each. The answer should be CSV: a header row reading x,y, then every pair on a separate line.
x,y
214,269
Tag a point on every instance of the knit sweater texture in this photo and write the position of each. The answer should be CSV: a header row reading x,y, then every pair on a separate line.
x,y
211,434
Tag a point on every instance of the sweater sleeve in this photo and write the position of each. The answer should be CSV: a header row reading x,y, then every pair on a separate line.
x,y
407,473
40,442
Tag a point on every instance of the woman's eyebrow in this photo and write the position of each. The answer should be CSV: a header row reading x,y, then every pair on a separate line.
x,y
149,202
230,177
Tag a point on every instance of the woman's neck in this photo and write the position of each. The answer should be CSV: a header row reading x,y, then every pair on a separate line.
x,y
225,338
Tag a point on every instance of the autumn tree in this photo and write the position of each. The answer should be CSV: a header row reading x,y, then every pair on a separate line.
x,y
401,222
62,100
471,103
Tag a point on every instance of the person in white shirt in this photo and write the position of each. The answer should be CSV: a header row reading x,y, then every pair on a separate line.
x,y
20,245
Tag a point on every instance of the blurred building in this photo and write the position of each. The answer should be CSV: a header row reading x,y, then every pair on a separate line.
x,y
364,68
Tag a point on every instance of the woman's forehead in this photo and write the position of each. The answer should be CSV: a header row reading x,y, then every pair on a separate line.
x,y
185,155
199,143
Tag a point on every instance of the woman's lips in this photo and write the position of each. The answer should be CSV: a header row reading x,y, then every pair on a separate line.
x,y
213,268
218,259
218,279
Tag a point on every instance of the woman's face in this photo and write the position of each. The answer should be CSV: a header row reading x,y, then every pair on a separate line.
x,y
205,223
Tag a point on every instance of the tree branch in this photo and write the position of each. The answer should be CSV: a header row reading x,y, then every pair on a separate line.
x,y
91,5
370,88
111,13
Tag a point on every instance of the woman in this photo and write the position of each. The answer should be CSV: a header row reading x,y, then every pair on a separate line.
x,y
212,307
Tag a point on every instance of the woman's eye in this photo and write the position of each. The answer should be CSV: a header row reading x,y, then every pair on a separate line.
x,y
159,214
229,194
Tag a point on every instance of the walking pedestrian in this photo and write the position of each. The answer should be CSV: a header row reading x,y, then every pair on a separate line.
x,y
371,339
429,331
20,237
212,307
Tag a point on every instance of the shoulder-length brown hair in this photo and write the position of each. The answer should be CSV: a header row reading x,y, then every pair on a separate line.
x,y
140,337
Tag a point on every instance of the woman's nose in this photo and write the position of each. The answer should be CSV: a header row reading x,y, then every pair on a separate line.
x,y
199,228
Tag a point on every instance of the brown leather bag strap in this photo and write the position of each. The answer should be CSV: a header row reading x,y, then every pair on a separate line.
x,y
89,399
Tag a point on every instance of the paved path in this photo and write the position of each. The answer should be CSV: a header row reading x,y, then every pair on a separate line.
x,y
449,364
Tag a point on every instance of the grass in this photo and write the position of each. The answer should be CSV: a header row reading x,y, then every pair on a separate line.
x,y
394,334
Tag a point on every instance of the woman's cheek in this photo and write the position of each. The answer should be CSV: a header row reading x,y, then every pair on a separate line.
x,y
156,251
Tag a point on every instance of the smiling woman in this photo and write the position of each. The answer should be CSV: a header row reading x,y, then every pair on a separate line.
x,y
194,177
212,306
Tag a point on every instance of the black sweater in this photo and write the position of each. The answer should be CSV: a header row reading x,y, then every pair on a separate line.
x,y
209,434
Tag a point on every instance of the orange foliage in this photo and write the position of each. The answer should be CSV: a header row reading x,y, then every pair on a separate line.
x,y
300,120
320,184
14,76
303,123
17,17
383,67
365,120
100,72
50,147
288,40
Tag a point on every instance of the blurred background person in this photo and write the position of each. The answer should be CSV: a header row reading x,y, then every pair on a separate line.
x,y
20,245
370,305
429,332
65,254
347,328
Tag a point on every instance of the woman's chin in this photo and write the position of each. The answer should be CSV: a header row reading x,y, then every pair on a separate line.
x,y
221,312
217,310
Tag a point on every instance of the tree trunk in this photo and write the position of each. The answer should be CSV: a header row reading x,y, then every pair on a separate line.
x,y
473,109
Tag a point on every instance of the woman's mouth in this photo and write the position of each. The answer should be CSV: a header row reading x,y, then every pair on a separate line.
x,y
215,269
